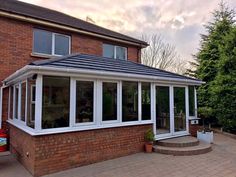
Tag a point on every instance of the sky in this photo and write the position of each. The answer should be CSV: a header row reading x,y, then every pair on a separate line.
x,y
179,22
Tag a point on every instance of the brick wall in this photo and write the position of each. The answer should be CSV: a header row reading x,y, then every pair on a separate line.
x,y
193,129
22,143
53,153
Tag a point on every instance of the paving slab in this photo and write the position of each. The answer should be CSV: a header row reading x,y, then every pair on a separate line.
x,y
221,162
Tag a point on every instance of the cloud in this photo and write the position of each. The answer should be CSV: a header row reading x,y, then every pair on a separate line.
x,y
179,22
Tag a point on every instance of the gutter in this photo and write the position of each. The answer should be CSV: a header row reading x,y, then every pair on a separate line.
x,y
42,69
50,24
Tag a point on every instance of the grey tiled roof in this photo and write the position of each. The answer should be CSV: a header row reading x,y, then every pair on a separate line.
x,y
29,10
91,62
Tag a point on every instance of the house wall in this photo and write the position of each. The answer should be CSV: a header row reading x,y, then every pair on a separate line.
x,y
57,152
16,42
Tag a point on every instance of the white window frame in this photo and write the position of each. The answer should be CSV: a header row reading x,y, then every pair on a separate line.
x,y
97,115
26,96
140,99
94,102
14,101
195,102
118,102
52,43
31,101
114,48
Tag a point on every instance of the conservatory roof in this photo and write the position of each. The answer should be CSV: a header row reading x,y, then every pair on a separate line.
x,y
90,64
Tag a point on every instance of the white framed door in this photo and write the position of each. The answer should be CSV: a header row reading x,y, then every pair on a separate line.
x,y
170,111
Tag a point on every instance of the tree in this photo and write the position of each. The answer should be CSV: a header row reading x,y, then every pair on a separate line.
x,y
161,55
224,90
209,62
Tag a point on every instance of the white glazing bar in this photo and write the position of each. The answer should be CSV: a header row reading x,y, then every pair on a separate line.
x,y
38,103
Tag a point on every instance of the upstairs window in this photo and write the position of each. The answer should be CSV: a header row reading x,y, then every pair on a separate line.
x,y
112,51
49,43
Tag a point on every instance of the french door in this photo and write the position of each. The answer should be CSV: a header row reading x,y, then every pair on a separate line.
x,y
170,111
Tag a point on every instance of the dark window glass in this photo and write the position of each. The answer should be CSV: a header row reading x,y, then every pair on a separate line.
x,y
162,110
42,42
120,53
56,99
129,101
31,102
146,101
23,98
191,101
84,101
108,51
109,101
16,107
61,44
11,103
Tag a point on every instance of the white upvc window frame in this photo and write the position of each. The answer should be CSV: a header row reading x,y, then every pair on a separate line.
x,y
195,102
140,101
114,50
14,102
52,43
31,100
26,99
94,102
73,126
118,102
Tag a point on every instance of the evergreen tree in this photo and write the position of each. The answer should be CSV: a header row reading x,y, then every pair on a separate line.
x,y
209,52
223,90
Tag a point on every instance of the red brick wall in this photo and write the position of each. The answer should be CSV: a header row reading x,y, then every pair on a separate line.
x,y
193,129
53,153
22,144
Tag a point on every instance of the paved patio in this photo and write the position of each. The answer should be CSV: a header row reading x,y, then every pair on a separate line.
x,y
221,162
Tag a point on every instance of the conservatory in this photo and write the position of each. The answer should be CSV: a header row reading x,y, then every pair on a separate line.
x,y
83,92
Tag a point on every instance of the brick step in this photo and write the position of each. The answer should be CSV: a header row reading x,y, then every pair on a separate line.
x,y
184,141
201,148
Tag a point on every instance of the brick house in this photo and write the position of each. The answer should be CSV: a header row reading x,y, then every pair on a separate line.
x,y
74,93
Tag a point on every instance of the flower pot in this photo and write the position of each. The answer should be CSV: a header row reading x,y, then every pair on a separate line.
x,y
148,147
205,136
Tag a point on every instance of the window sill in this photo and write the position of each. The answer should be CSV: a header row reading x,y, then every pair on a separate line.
x,y
40,55
33,132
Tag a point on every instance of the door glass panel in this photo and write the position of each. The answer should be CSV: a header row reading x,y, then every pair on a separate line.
x,y
179,109
162,110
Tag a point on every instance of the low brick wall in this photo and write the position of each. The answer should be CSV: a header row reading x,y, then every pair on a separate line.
x,y
57,152
193,129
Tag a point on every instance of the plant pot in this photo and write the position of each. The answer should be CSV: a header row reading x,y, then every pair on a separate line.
x,y
148,147
205,136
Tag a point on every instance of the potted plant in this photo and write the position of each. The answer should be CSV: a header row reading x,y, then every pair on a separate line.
x,y
205,134
149,138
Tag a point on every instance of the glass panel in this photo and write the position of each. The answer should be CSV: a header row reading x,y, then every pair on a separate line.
x,y
179,109
162,109
56,101
109,104
84,101
146,101
16,102
120,53
23,98
108,51
129,101
191,101
62,44
30,103
42,42
11,103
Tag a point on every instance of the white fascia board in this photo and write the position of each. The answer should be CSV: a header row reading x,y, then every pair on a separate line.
x,y
95,73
